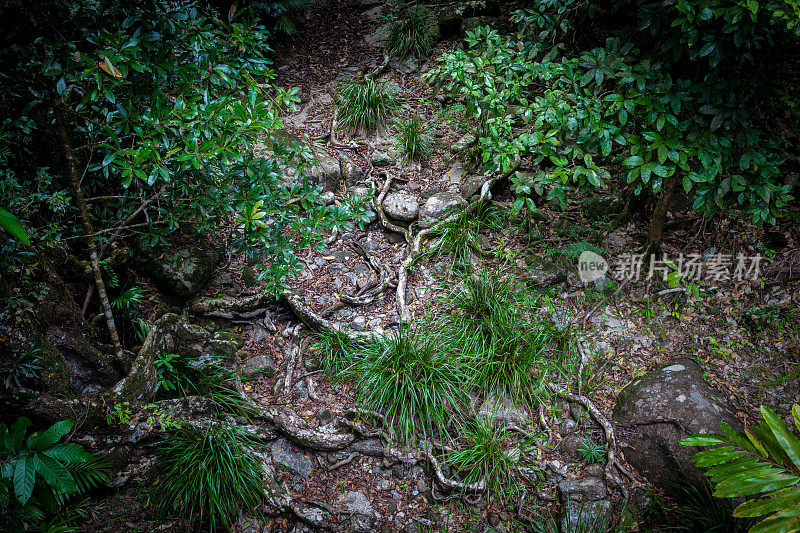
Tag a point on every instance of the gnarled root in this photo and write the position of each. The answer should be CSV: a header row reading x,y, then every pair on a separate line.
x,y
613,467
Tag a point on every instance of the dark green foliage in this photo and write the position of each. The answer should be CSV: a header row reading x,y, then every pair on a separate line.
x,y
697,510
210,475
280,12
413,140
763,463
364,105
676,90
38,474
486,452
413,34
158,99
21,368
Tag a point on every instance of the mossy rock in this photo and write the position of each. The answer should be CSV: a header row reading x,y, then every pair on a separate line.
x,y
181,271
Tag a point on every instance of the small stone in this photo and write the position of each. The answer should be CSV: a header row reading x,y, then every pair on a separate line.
x,y
440,206
401,206
395,238
259,366
285,458
328,197
359,323
465,142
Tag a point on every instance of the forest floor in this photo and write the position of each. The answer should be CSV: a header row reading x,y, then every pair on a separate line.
x,y
745,334
735,329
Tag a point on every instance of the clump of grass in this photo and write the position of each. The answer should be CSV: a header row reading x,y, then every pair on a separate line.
x,y
210,475
363,105
513,351
413,378
591,451
413,141
698,509
210,377
460,235
491,454
413,35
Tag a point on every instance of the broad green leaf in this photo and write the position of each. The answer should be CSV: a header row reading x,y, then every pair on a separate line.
x,y
45,439
783,435
710,439
13,226
776,501
24,478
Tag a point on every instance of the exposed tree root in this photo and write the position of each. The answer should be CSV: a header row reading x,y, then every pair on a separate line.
x,y
613,466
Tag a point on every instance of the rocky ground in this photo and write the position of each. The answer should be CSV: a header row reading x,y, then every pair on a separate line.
x,y
658,364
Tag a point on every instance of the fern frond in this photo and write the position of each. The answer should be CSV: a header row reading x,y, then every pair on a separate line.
x,y
764,459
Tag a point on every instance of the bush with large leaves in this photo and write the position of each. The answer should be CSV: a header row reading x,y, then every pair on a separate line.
x,y
646,111
762,461
38,474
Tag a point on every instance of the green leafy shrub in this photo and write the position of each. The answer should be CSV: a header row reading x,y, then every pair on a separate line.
x,y
413,378
21,368
280,12
209,477
413,140
117,73
364,105
762,461
38,475
413,34
490,454
671,108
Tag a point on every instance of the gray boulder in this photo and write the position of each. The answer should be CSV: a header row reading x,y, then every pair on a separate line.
x,y
440,206
471,185
463,143
401,206
331,172
259,366
583,504
287,459
665,406
358,508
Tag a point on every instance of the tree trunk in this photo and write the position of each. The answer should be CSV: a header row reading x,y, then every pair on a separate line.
x,y
659,218
66,147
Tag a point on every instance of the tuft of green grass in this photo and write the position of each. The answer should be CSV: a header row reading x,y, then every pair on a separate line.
x,y
363,105
210,377
591,451
493,455
412,35
513,351
413,378
460,235
698,509
209,476
413,141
